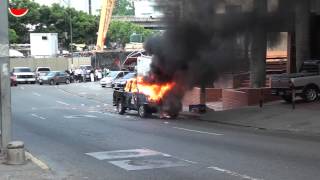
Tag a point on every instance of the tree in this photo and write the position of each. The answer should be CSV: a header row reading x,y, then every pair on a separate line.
x,y
54,19
123,8
13,37
121,31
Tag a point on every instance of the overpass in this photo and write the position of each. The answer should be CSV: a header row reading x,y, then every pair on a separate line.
x,y
148,23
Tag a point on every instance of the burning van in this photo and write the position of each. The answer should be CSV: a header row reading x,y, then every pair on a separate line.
x,y
144,96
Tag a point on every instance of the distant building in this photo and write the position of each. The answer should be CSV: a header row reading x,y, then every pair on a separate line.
x,y
44,45
147,9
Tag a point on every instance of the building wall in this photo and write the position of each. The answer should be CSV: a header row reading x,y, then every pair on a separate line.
x,y
147,8
56,64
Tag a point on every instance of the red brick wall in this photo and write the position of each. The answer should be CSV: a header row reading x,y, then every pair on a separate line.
x,y
192,97
234,99
213,94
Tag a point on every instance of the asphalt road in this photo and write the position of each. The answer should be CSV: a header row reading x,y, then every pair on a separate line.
x,y
72,128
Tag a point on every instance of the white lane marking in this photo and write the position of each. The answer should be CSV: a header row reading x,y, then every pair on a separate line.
x,y
82,104
166,122
34,108
125,154
36,94
35,160
188,161
22,87
63,103
79,116
37,116
232,173
196,131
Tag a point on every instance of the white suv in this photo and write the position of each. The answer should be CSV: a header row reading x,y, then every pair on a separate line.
x,y
24,75
41,71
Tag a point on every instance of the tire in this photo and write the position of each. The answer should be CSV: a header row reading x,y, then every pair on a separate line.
x,y
103,86
41,83
311,94
51,82
120,108
287,98
67,81
173,115
142,111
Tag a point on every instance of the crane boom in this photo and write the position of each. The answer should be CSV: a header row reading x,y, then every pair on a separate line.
x,y
105,19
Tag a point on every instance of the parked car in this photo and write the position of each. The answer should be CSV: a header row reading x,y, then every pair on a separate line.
x,y
13,80
55,77
41,71
121,82
112,76
306,83
24,75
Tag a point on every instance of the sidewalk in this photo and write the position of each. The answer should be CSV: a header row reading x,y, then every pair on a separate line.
x,y
28,171
273,116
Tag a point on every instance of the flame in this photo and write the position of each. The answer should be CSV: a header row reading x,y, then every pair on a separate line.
x,y
154,91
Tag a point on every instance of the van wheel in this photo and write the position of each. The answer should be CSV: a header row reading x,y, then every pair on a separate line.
x,y
120,108
287,98
51,82
143,112
311,94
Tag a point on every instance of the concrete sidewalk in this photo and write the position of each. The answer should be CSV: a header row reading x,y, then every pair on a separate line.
x,y
28,171
273,116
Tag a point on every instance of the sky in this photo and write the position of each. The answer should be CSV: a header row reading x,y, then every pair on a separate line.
x,y
77,4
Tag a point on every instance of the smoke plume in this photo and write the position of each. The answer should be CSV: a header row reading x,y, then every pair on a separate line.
x,y
204,39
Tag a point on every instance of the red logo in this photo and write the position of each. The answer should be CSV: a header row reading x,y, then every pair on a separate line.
x,y
17,12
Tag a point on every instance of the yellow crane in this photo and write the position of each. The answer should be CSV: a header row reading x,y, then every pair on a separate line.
x,y
105,19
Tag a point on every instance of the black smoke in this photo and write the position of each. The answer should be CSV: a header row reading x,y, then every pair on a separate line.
x,y
205,39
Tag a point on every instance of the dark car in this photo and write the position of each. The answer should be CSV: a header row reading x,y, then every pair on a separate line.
x,y
55,77
121,82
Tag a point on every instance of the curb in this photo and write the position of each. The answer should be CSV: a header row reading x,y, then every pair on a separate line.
x,y
37,161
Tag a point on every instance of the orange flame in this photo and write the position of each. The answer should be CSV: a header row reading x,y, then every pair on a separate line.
x,y
154,92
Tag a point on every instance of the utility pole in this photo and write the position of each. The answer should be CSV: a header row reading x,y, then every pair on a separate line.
x,y
5,90
90,7
71,31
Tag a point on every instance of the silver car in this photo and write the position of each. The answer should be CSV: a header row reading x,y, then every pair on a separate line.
x,y
55,77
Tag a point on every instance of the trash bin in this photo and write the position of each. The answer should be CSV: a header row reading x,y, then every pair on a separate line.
x,y
16,154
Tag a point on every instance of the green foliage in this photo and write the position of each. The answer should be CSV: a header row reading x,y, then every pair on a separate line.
x,y
120,31
54,19
123,8
13,36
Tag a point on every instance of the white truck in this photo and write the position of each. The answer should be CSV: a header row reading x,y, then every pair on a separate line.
x,y
306,83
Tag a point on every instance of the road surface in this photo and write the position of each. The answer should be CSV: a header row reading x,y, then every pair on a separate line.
x,y
73,129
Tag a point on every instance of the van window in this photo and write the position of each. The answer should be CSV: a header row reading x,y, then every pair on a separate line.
x,y
43,69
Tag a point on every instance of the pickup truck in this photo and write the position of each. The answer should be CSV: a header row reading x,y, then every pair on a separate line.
x,y
131,99
306,83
